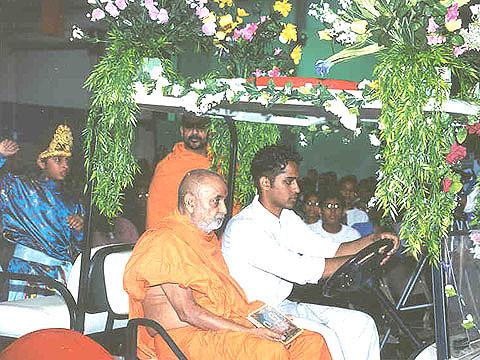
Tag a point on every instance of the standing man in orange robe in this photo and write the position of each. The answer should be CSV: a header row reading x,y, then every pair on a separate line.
x,y
177,276
187,155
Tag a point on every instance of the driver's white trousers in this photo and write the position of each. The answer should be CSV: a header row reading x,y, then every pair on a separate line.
x,y
349,334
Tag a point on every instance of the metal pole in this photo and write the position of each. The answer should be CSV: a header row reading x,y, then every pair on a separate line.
x,y
86,250
439,308
232,165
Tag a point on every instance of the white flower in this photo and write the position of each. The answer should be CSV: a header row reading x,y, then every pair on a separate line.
x,y
230,94
378,156
199,85
372,202
325,127
93,2
161,83
139,89
348,117
364,83
357,131
177,90
236,85
156,72
379,175
302,136
374,140
190,102
475,9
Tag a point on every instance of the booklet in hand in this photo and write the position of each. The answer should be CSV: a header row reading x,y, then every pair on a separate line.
x,y
271,318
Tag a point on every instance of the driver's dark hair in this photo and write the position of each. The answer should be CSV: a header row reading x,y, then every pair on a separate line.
x,y
272,161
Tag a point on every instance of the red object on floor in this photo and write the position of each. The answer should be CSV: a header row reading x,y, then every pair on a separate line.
x,y
281,81
55,344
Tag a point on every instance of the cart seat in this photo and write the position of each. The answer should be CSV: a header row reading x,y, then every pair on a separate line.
x,y
107,302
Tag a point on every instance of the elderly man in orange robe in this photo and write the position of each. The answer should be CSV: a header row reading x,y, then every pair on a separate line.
x,y
187,155
177,276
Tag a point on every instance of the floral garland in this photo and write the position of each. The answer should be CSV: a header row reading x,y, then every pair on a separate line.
x,y
244,42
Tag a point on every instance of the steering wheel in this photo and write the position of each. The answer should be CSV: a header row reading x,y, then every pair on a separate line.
x,y
359,270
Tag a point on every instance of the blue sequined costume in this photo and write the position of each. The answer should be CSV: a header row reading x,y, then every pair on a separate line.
x,y
34,216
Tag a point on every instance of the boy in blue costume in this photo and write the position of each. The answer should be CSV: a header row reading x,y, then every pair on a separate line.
x,y
44,223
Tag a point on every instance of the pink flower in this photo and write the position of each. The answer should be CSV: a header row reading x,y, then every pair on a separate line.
x,y
432,26
249,31
446,184
452,13
475,237
112,10
121,4
459,50
257,73
277,51
236,34
263,18
97,14
202,12
209,28
457,153
474,128
435,39
162,16
149,3
274,72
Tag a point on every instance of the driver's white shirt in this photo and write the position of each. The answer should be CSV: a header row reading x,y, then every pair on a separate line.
x,y
266,254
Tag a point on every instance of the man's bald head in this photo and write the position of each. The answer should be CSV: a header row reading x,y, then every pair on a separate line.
x,y
201,196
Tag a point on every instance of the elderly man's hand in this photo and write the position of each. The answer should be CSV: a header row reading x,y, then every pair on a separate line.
x,y
75,222
8,148
266,334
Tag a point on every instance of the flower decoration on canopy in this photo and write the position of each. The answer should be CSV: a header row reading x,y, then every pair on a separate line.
x,y
369,26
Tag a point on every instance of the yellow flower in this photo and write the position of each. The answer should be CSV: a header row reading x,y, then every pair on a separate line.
x,y
222,3
210,18
453,25
305,89
296,54
241,12
359,26
289,33
324,35
446,3
462,2
283,7
220,35
226,23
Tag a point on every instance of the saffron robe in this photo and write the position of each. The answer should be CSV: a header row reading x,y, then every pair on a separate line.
x,y
179,253
163,191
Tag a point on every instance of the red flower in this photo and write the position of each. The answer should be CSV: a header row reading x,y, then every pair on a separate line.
x,y
474,128
457,153
446,183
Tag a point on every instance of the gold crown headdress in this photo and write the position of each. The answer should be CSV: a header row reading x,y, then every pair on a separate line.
x,y
61,144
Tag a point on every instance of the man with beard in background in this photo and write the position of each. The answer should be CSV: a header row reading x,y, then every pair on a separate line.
x,y
187,155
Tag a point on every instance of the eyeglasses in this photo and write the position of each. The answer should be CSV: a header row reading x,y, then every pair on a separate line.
x,y
332,206
312,203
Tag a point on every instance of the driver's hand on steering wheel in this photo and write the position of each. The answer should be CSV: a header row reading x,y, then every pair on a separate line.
x,y
395,240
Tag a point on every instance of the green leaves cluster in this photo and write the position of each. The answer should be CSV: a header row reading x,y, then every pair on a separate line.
x,y
416,143
109,133
252,137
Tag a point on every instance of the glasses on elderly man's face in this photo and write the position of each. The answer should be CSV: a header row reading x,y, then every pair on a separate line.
x,y
312,203
332,206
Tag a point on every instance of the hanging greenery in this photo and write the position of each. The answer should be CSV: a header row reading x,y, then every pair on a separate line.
x,y
416,143
138,29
